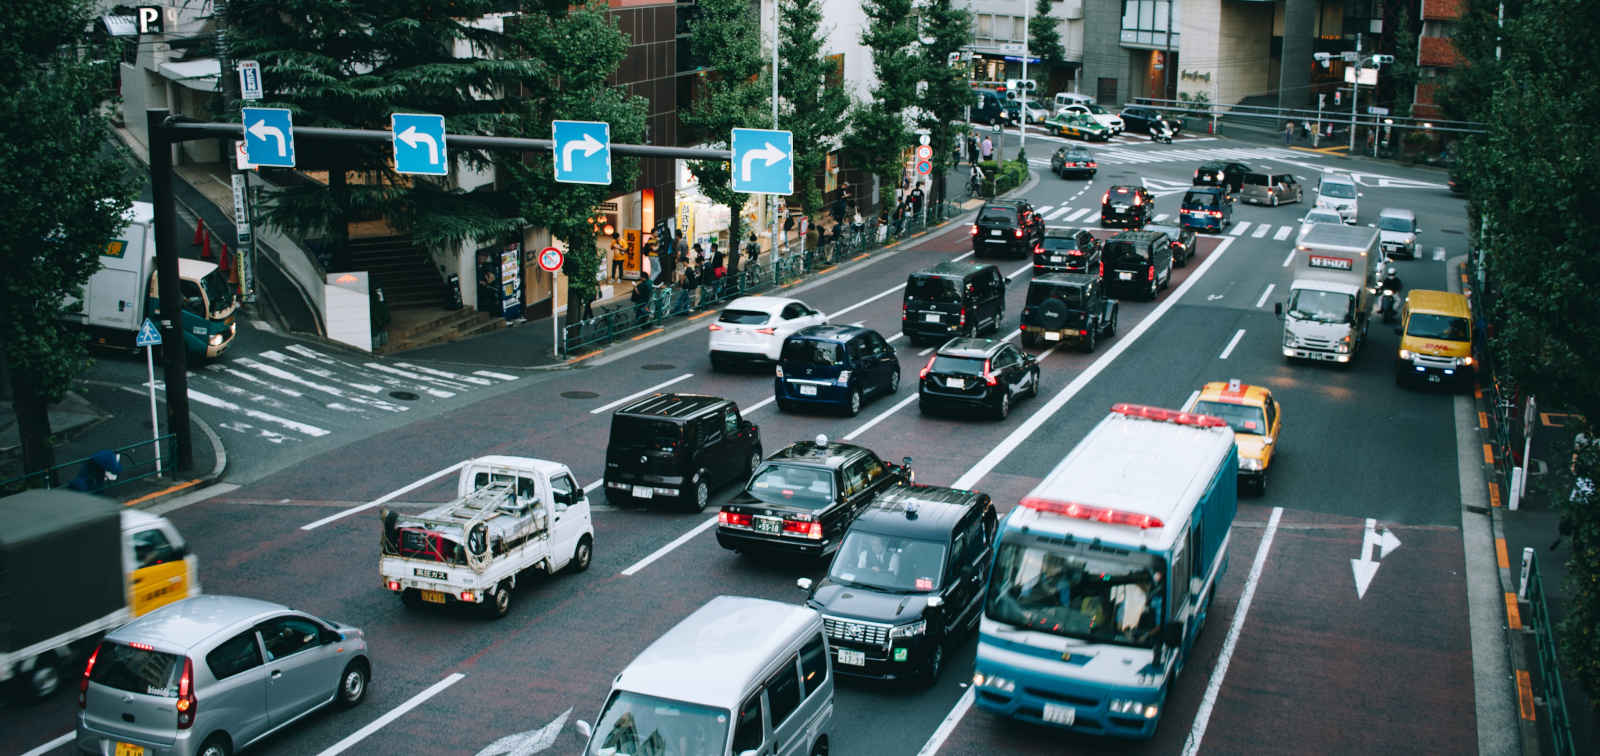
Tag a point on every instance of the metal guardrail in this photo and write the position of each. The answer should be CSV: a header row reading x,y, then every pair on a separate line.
x,y
1555,696
138,462
1340,117
667,303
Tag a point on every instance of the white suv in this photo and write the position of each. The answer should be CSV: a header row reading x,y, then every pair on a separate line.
x,y
1339,193
752,329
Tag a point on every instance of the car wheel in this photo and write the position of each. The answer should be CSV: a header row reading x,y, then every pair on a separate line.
x,y
1151,295
698,497
1033,386
411,598
717,365
935,664
217,745
924,407
1091,339
500,603
44,679
855,403
1261,484
821,748
1111,330
1274,200
1002,409
894,382
753,462
353,684
784,406
581,556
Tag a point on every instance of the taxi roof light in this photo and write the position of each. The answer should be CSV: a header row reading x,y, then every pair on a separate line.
x,y
1168,416
1082,511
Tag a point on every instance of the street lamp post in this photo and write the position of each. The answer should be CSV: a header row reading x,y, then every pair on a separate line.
x,y
1022,123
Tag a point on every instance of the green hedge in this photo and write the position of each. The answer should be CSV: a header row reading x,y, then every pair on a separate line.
x,y
1004,177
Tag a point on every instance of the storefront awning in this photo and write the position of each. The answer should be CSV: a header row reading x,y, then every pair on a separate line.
x,y
198,74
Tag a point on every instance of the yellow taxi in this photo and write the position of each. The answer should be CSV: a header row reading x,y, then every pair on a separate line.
x,y
1255,418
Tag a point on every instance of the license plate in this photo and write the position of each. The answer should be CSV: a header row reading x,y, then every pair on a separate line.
x,y
1433,379
768,524
432,574
931,317
995,232
1125,275
433,597
956,383
1061,715
1057,258
1119,208
852,658
808,390
1052,336
129,749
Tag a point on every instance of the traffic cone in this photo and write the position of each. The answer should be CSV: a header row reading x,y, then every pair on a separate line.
x,y
205,248
224,260
199,232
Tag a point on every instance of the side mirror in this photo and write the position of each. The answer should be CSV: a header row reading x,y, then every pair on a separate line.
x,y
1267,441
934,602
1277,309
584,729
804,583
1416,230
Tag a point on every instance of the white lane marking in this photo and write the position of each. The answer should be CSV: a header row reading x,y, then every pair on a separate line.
x,y
1233,342
223,404
859,323
1265,294
664,550
1283,233
959,258
874,421
422,381
492,374
948,726
875,297
386,497
1238,228
52,745
1042,209
897,335
1193,395
282,374
383,374
1161,217
1289,259
393,714
926,352
1058,212
1076,214
289,392
760,404
1019,271
592,486
530,742
635,395
1261,231
1191,746
262,326
446,374
1438,254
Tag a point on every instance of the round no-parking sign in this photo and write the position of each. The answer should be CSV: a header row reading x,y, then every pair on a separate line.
x,y
550,259
924,167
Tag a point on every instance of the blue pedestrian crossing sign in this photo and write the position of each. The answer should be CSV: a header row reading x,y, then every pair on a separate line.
x,y
418,143
269,137
582,151
763,161
148,335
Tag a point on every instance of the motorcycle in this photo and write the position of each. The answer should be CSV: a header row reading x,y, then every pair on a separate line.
x,y
1389,303
1161,131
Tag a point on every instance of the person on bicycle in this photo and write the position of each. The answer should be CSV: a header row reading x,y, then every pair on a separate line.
x,y
975,180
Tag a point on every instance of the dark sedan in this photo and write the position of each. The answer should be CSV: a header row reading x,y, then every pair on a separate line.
x,y
1073,161
1137,119
1183,241
802,499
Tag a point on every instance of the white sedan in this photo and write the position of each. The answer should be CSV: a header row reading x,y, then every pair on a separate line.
x,y
1318,215
752,329
1100,115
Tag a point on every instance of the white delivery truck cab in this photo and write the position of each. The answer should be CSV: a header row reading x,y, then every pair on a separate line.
x,y
511,515
123,292
1336,272
1104,573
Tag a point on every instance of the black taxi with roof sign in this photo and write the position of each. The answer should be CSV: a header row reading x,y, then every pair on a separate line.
x,y
801,499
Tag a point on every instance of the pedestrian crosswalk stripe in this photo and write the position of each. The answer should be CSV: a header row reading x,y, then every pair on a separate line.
x,y
1076,214
391,379
285,375
1058,212
1283,233
1238,230
1199,154
1161,217
255,414
492,374
1438,253
446,374
1261,231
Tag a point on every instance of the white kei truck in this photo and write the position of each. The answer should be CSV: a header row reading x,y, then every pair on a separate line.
x,y
511,515
1336,273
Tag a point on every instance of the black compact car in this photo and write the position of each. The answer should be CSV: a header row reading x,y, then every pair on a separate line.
x,y
834,366
677,448
1221,173
1138,119
1073,161
952,299
1139,261
1130,206
1008,227
984,374
907,582
802,499
1183,241
1064,249
1068,307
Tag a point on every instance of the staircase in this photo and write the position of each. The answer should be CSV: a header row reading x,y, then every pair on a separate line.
x,y
419,327
405,272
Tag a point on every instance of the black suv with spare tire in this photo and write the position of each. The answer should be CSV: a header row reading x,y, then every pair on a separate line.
x,y
1068,307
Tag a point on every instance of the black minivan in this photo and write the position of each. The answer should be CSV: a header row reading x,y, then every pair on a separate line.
x,y
834,366
677,448
952,299
1139,261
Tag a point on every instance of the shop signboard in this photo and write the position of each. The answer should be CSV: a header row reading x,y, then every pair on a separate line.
x,y
511,281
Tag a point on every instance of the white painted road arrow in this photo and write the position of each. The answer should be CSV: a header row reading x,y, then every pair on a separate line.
x,y
530,742
411,137
1366,569
769,154
588,144
262,131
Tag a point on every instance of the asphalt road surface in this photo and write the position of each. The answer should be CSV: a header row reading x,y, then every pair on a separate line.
x,y
1293,660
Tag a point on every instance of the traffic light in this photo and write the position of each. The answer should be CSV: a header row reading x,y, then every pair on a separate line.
x,y
952,59
1336,97
1027,85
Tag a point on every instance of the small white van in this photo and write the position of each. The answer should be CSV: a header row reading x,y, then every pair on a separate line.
x,y
1338,192
738,677
1063,99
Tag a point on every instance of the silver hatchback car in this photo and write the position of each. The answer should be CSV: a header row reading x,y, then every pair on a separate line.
x,y
212,674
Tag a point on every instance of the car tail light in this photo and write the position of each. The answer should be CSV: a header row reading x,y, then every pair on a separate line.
x,y
1087,512
83,685
733,519
1075,253
1138,199
779,369
186,701
767,331
925,368
1216,213
1082,332
810,529
974,230
468,596
988,377
1104,198
1017,232
963,316
1091,163
713,327
1037,248
1150,273
393,585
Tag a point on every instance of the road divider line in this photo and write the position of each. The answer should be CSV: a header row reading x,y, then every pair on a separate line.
x,y
874,421
1283,233
948,726
635,395
398,492
760,404
868,300
592,486
1019,271
959,258
1265,294
51,746
1193,395
1227,350
391,715
1209,701
1289,259
667,549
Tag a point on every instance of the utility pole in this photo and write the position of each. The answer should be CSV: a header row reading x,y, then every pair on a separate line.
x,y
1166,59
1355,93
1022,123
777,227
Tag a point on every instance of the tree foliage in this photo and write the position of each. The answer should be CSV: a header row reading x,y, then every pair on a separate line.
x,y
879,132
1044,36
945,30
62,199
810,108
1402,74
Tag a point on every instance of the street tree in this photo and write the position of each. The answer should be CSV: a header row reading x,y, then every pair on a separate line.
x,y
63,198
812,107
946,29
879,132
1402,74
731,91
576,51
1044,37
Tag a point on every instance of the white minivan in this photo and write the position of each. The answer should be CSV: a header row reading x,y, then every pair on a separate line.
x,y
738,677
1338,192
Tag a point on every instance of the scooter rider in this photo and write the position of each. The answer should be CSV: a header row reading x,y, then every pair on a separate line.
x,y
1160,131
1391,288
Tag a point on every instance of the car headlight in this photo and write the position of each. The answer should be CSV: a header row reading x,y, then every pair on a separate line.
x,y
1343,347
993,681
1125,706
1250,463
216,339
1405,354
1290,341
909,631
1464,362
844,377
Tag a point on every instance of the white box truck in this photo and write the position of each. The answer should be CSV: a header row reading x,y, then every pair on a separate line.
x,y
122,293
1336,272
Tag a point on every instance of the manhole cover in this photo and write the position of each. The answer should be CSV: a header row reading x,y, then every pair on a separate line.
x,y
406,395
659,366
578,395
1456,231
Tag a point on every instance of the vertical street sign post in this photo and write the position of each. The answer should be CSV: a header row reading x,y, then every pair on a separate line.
x,y
582,153
550,260
245,240
150,338
418,144
250,88
269,136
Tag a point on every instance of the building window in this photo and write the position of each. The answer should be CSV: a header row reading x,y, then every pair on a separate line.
x,y
1017,33
1144,22
985,27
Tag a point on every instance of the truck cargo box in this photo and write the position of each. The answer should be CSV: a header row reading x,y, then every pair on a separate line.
x,y
60,564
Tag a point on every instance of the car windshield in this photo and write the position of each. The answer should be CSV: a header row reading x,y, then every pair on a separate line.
x,y
1320,306
1097,110
1391,223
792,485
1424,325
1243,418
889,563
932,288
136,670
217,292
1200,199
644,433
1078,155
811,352
1172,232
1323,217
1338,190
1057,243
1117,250
1087,592
744,317
1073,296
956,365
998,215
634,724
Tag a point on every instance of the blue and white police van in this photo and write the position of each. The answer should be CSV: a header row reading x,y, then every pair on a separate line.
x,y
1104,573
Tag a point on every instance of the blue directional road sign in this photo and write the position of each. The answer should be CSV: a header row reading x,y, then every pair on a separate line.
x,y
418,143
148,335
583,151
763,161
269,137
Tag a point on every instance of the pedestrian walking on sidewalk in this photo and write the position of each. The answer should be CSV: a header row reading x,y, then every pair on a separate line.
x,y
988,149
619,256
1288,132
